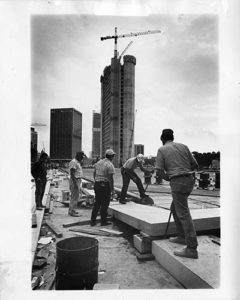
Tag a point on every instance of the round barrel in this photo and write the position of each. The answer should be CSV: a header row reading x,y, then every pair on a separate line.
x,y
217,180
76,263
65,195
204,180
204,176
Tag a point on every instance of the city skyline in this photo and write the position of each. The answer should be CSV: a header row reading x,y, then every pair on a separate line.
x,y
176,74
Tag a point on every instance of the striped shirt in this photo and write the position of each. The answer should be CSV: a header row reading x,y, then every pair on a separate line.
x,y
103,168
74,164
175,159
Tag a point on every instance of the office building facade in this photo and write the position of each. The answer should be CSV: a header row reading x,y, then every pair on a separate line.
x,y
118,108
138,148
96,135
65,133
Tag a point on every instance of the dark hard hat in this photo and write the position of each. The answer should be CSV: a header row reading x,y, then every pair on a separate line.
x,y
81,154
167,134
167,131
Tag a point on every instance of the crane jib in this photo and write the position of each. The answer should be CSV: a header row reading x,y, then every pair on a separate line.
x,y
129,34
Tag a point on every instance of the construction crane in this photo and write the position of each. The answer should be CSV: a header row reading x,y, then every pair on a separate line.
x,y
121,55
116,37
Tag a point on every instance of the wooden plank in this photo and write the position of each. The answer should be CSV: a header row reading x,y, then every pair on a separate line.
x,y
91,231
54,229
153,220
111,231
203,272
83,222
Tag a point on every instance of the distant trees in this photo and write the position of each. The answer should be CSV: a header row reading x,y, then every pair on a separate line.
x,y
205,160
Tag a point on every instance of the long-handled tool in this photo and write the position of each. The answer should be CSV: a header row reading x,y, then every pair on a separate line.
x,y
147,200
165,234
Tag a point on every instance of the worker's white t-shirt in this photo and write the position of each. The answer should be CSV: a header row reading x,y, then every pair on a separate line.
x,y
75,164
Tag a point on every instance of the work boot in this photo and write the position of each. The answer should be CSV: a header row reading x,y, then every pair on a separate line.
x,y
177,240
122,201
105,223
73,213
187,252
93,223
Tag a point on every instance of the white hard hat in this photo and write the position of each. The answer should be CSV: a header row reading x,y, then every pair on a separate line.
x,y
140,157
110,152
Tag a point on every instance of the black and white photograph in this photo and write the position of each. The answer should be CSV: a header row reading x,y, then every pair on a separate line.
x,y
120,161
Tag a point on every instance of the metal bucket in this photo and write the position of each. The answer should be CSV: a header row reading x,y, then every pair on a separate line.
x,y
65,196
76,263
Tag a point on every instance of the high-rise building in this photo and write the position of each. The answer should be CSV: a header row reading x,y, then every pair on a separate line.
x,y
96,132
138,148
34,138
118,108
65,133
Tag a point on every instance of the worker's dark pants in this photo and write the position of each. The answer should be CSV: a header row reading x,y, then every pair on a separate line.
x,y
39,191
102,199
181,187
126,176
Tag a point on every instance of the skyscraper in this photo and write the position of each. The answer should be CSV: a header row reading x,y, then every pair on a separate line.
x,y
96,131
118,108
138,148
65,133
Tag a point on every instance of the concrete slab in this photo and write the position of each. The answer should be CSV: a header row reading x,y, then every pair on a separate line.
x,y
106,286
203,272
153,220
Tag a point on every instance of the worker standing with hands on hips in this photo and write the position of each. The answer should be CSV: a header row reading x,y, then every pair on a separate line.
x,y
175,163
76,174
128,174
103,187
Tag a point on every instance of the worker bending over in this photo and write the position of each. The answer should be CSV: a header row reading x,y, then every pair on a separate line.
x,y
103,187
176,164
128,173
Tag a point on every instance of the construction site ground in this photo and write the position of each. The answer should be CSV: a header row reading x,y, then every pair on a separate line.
x,y
118,263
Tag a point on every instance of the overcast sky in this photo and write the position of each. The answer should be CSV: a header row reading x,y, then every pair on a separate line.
x,y
176,86
176,74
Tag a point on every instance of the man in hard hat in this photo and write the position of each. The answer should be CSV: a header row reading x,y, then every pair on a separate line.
x,y
128,174
76,174
175,163
103,187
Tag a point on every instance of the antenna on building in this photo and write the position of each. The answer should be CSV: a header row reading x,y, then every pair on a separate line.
x,y
116,37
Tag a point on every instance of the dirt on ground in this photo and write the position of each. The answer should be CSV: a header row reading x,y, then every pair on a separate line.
x,y
118,263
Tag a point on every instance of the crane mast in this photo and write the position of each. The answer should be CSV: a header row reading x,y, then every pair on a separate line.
x,y
116,37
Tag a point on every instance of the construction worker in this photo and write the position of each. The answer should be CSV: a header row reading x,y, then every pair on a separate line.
x,y
103,187
176,164
39,173
76,174
128,173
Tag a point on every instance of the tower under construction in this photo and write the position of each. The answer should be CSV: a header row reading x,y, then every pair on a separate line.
x,y
118,108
